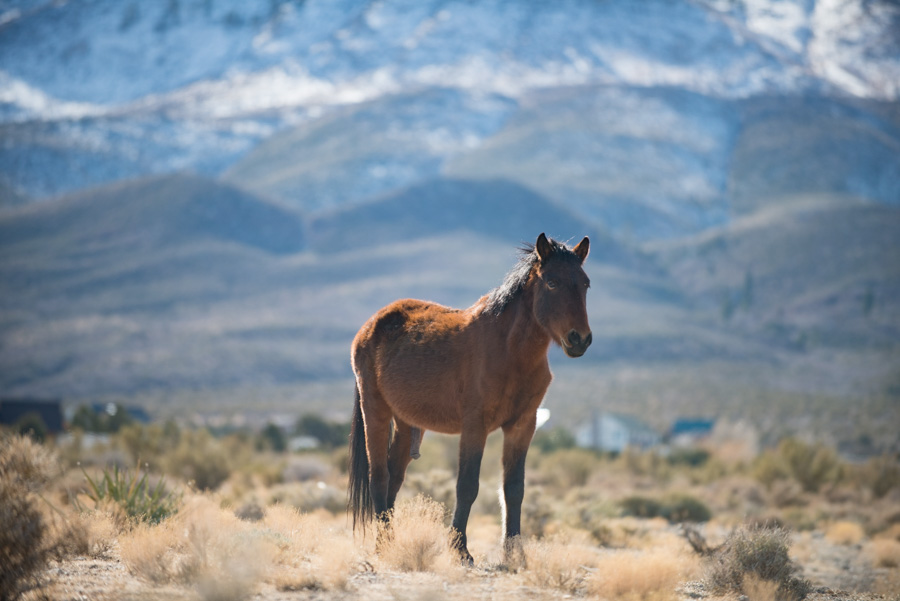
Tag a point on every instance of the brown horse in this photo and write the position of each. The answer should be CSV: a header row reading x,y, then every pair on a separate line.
x,y
427,367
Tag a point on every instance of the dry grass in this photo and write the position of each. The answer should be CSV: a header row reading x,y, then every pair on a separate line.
x,y
562,561
845,533
757,589
90,534
885,553
152,552
757,553
313,551
26,540
204,546
416,540
649,575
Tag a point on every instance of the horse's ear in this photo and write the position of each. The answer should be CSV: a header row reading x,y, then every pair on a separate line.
x,y
542,247
582,249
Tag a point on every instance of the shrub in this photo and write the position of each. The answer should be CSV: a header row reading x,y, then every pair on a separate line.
x,y
24,550
133,495
760,553
885,553
881,474
555,439
25,545
635,575
329,434
311,554
416,537
675,508
641,507
272,437
32,424
810,465
557,563
685,508
203,545
199,458
845,533
569,467
690,457
148,443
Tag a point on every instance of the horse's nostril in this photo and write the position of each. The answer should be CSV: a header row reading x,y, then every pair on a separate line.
x,y
588,340
574,338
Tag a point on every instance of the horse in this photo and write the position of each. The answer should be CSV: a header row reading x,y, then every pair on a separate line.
x,y
422,366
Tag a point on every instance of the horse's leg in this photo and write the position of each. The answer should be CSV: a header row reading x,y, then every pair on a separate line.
x,y
471,449
516,438
377,419
398,459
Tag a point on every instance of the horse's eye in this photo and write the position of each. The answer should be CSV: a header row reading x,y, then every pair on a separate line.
x,y
551,284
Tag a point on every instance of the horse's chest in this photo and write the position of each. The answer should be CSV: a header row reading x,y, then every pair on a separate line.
x,y
518,394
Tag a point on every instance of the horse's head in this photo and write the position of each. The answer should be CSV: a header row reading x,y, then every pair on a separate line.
x,y
560,293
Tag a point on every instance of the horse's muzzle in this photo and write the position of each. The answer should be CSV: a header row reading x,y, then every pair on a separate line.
x,y
575,345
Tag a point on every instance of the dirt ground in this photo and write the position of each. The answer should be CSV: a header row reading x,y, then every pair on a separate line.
x,y
837,573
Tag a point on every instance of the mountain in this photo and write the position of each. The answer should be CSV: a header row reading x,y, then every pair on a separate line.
x,y
734,163
153,212
104,90
154,242
495,208
794,147
598,147
710,47
354,153
805,272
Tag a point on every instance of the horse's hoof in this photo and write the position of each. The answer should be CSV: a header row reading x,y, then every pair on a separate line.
x,y
465,558
514,554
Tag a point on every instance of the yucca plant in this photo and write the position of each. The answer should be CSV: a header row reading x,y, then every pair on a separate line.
x,y
133,494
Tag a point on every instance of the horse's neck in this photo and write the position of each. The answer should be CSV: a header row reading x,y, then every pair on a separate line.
x,y
520,333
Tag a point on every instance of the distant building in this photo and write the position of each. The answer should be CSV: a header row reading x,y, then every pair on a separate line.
x,y
613,432
14,411
138,414
686,432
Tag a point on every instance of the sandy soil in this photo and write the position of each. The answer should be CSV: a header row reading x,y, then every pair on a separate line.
x,y
837,573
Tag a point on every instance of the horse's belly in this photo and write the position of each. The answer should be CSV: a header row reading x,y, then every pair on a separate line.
x,y
428,403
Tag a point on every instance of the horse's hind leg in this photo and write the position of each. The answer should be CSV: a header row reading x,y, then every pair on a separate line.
x,y
399,457
377,419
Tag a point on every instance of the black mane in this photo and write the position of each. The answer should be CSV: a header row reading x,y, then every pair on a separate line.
x,y
514,282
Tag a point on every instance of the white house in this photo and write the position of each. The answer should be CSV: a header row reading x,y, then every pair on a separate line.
x,y
614,431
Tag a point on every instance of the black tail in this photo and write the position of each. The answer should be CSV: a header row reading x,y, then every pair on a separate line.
x,y
359,503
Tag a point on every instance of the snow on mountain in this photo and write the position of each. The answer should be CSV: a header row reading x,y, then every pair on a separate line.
x,y
112,52
104,89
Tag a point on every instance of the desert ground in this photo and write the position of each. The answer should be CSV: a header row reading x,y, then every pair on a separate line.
x,y
237,520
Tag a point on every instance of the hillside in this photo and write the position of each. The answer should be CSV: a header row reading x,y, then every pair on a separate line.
x,y
734,163
354,153
805,272
494,208
644,162
793,147
99,91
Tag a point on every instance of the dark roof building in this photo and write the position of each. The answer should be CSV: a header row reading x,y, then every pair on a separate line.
x,y
12,411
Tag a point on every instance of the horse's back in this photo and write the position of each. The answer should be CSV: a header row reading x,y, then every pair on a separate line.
x,y
416,353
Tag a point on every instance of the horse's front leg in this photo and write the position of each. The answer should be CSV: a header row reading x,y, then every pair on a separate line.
x,y
471,449
516,438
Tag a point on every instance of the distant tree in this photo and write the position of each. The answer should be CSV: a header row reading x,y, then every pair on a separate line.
x,y
111,420
747,296
273,438
328,434
32,424
553,440
86,419
868,300
727,306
